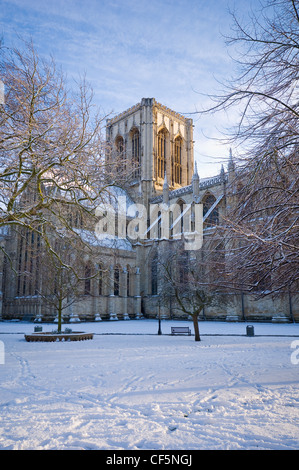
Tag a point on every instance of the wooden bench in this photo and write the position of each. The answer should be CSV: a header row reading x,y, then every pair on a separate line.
x,y
180,330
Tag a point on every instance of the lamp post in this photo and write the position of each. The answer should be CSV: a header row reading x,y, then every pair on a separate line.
x,y
159,320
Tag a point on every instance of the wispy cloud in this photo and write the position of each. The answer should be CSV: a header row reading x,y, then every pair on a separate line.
x,y
131,49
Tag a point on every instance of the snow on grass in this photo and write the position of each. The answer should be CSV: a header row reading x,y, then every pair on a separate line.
x,y
144,391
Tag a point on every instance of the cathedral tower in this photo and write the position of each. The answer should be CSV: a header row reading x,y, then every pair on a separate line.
x,y
159,141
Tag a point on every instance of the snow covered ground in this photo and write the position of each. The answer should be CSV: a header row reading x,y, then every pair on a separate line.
x,y
144,391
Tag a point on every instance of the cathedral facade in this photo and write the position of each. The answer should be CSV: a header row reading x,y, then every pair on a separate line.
x,y
159,141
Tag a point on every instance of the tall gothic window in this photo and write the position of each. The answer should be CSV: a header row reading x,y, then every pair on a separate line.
x,y
154,274
100,279
136,152
120,153
20,267
159,228
28,263
87,280
161,156
177,161
120,146
192,217
183,267
212,215
128,281
181,205
116,280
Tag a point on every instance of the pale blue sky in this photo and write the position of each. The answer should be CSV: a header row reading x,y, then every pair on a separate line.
x,y
172,50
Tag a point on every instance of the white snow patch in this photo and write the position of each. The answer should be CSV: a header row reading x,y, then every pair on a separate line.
x,y
144,391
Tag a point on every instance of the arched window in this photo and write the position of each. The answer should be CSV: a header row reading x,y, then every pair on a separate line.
x,y
135,141
78,220
100,268
171,223
154,274
161,155
128,281
181,205
177,161
192,218
87,280
116,280
212,216
120,146
159,228
120,153
28,263
183,267
20,268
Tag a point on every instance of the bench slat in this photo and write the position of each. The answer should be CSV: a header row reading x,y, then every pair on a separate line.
x,y
180,330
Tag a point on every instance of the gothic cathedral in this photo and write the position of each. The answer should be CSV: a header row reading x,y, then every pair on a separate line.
x,y
158,143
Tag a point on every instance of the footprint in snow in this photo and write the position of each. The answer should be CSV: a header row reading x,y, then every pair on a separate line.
x,y
172,428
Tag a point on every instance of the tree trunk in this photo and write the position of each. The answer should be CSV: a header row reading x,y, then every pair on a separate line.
x,y
59,316
196,328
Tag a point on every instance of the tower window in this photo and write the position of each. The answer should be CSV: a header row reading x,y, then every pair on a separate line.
x,y
87,281
120,147
154,275
161,157
136,152
120,154
177,163
116,280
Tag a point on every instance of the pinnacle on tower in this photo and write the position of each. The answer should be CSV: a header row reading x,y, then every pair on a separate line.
x,y
195,174
165,189
231,163
222,172
195,182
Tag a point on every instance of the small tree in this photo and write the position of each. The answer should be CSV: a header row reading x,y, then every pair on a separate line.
x,y
63,275
190,278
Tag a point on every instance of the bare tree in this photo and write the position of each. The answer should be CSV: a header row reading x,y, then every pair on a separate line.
x,y
264,194
191,278
64,277
52,152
